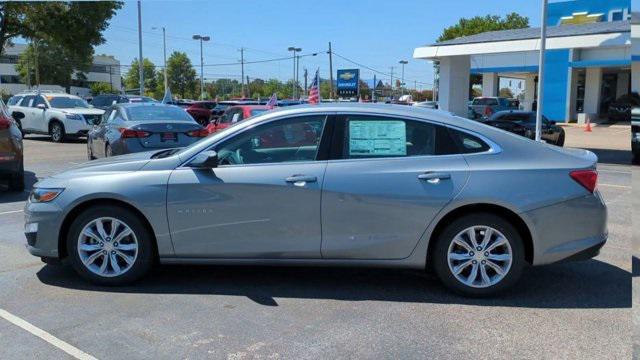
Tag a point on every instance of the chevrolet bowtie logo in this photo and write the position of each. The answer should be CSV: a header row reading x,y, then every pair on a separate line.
x,y
347,76
580,18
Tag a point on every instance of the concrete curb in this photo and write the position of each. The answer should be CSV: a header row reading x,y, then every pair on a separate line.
x,y
613,126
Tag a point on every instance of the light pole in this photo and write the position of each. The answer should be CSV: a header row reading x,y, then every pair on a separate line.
x,y
140,58
403,63
164,51
295,71
201,38
543,44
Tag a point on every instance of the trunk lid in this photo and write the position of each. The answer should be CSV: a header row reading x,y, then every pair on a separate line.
x,y
166,134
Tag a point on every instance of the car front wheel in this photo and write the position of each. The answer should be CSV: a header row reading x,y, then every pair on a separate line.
x,y
110,245
56,131
479,255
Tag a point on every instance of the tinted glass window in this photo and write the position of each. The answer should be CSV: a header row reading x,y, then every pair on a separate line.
x,y
157,113
63,102
104,100
469,143
286,140
14,100
39,100
27,100
485,101
255,112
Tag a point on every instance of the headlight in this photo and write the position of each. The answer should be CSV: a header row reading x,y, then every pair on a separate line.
x,y
74,116
41,195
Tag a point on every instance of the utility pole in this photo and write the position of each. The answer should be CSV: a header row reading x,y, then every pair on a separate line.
x,y
331,93
543,45
248,95
402,86
305,82
140,59
201,38
392,67
37,66
242,70
294,87
164,54
373,91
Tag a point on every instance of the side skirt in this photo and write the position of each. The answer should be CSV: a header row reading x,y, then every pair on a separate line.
x,y
401,264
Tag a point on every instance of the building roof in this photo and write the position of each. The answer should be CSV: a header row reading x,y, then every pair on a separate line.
x,y
534,33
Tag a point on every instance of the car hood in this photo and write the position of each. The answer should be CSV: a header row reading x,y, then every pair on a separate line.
x,y
129,162
83,111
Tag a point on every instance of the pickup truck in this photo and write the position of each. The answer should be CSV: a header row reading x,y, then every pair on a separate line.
x,y
484,107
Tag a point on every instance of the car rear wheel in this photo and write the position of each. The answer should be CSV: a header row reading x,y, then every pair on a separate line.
x,y
110,245
479,255
560,141
16,182
107,151
89,151
56,131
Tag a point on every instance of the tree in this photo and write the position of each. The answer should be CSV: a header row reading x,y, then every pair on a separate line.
x,y
55,64
506,92
100,87
74,25
480,24
132,77
181,75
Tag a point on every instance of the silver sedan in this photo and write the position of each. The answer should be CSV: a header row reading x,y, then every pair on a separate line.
x,y
336,185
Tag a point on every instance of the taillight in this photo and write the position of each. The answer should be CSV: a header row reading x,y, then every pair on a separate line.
x,y
5,123
586,178
198,133
130,133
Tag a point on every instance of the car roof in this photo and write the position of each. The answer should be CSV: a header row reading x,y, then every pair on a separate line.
x,y
251,106
141,104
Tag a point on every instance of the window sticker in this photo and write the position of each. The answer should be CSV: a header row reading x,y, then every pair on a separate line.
x,y
377,138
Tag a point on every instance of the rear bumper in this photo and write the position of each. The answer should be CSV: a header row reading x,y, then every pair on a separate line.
x,y
564,230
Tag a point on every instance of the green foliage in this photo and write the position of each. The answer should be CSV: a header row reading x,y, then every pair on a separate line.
x,y
132,77
506,92
55,64
100,87
182,76
480,24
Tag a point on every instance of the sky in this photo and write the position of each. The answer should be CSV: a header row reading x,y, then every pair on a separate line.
x,y
373,33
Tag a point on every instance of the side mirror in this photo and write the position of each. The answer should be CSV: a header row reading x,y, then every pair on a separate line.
x,y
552,122
41,106
206,159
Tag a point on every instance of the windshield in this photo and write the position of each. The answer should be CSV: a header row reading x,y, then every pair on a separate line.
x,y
157,113
63,102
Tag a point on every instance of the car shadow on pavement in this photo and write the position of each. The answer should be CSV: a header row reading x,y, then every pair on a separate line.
x,y
7,196
46,138
580,285
609,156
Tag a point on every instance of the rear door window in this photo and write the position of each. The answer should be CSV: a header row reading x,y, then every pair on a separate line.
x,y
39,100
27,101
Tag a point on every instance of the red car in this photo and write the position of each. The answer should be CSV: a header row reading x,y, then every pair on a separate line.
x,y
234,114
201,111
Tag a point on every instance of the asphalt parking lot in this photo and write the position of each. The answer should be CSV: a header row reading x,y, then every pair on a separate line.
x,y
570,310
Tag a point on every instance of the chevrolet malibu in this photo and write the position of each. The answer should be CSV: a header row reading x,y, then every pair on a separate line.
x,y
329,185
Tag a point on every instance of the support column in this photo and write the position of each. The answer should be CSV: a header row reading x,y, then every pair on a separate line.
x,y
529,92
592,89
622,87
454,84
490,84
635,76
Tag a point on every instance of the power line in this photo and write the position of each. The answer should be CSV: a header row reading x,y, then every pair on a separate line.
x,y
374,70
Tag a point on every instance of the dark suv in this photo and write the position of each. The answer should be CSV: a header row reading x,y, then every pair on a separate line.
x,y
524,123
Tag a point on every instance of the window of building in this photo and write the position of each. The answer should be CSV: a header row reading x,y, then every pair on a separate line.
x,y
10,79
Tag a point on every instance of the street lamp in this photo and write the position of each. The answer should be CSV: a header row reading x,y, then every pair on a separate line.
x,y
295,70
164,52
201,38
403,63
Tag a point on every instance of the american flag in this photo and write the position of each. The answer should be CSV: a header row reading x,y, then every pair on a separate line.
x,y
314,92
273,101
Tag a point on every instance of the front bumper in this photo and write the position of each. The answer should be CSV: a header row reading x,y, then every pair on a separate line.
x,y
572,227
76,127
42,226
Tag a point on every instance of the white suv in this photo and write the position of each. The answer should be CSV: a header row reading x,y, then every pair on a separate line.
x,y
57,114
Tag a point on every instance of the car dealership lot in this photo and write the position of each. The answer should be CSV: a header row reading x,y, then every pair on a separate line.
x,y
560,311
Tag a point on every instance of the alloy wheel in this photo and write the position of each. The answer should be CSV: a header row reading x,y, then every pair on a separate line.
x,y
107,247
479,256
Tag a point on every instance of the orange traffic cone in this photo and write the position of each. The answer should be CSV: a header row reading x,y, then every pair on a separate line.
x,y
588,127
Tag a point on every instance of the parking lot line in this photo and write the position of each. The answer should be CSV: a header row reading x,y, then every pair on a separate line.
x,y
68,348
10,212
615,186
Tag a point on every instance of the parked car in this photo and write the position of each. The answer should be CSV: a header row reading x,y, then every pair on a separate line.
x,y
523,123
201,111
58,115
376,185
130,128
234,114
484,107
635,134
426,104
220,108
11,151
103,101
620,110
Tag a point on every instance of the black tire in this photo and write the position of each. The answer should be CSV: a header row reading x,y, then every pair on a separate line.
x,y
441,248
19,125
56,132
89,151
108,152
560,141
143,261
16,182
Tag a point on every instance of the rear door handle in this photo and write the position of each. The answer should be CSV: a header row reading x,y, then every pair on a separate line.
x,y
301,179
434,177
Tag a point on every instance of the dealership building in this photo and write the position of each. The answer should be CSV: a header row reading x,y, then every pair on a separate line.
x,y
104,69
588,61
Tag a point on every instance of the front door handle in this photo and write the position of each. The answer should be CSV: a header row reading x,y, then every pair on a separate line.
x,y
301,179
434,177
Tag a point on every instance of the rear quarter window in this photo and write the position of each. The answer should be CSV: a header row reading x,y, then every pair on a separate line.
x,y
468,143
14,100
